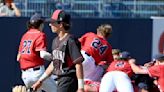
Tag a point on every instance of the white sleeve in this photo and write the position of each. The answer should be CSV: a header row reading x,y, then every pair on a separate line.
x,y
46,55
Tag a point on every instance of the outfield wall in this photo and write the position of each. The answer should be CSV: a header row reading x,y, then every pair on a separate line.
x,y
133,35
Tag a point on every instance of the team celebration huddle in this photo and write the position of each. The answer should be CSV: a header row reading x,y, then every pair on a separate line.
x,y
85,64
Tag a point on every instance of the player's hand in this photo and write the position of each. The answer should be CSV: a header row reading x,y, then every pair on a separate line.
x,y
149,64
80,90
36,85
132,61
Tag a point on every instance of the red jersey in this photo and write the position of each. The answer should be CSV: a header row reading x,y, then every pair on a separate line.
x,y
97,47
121,65
31,43
157,71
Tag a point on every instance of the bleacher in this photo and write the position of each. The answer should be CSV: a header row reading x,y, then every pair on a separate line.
x,y
94,8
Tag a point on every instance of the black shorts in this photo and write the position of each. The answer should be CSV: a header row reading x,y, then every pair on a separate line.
x,y
67,83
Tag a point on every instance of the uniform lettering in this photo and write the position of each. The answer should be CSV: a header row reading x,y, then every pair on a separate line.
x,y
57,54
120,64
26,47
99,46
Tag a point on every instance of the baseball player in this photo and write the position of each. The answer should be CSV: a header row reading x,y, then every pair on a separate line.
x,y
156,71
95,48
117,76
67,59
31,55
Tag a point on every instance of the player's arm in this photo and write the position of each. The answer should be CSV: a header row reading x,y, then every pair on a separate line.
x,y
45,55
79,74
149,64
136,69
19,51
41,45
45,75
77,59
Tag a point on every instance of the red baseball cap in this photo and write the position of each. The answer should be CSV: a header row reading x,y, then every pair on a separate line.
x,y
59,16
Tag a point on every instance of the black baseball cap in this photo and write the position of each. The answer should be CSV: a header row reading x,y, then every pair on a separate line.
x,y
158,57
59,16
36,17
125,55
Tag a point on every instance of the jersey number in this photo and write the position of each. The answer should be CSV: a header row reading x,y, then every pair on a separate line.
x,y
26,47
98,45
120,64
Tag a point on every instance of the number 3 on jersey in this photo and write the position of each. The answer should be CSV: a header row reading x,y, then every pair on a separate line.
x,y
26,47
98,45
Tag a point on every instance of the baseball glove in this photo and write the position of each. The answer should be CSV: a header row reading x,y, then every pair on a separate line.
x,y
19,88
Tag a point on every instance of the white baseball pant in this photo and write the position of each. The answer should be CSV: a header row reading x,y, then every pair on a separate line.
x,y
30,76
91,70
116,80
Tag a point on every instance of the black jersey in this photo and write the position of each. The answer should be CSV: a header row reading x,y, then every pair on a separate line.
x,y
66,53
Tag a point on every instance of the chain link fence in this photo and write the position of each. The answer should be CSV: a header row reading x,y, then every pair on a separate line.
x,y
94,8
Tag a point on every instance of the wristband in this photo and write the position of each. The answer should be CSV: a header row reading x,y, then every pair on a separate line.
x,y
43,77
80,83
